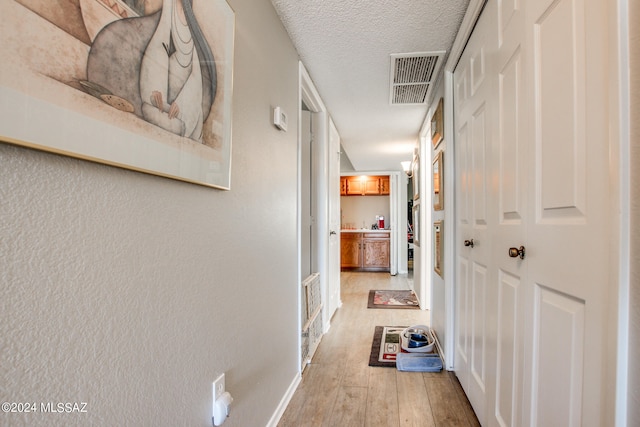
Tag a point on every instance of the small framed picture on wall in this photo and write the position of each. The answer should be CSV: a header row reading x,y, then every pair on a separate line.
x,y
416,224
437,125
415,176
438,247
438,187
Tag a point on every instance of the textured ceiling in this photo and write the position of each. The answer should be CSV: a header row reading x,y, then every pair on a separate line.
x,y
346,46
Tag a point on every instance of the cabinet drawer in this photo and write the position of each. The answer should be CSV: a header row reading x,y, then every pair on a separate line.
x,y
376,235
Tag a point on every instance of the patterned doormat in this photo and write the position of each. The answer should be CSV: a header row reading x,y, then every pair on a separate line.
x,y
385,346
393,299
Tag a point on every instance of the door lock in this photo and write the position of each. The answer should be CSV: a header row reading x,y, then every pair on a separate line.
x,y
469,243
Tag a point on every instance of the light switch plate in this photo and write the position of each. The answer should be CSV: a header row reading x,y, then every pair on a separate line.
x,y
280,119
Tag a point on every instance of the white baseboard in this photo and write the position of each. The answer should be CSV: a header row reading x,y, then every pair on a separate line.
x,y
442,355
275,418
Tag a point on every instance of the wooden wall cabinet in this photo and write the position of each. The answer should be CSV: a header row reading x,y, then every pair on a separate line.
x,y
364,185
365,251
357,186
384,185
343,185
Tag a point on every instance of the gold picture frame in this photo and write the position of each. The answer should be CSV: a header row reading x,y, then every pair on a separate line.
x,y
415,176
438,247
438,184
416,224
437,124
94,83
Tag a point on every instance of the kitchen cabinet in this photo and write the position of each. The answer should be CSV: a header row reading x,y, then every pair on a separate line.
x,y
365,251
351,250
384,185
343,186
375,249
364,185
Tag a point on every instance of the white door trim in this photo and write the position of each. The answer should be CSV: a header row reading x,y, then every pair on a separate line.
x,y
464,33
395,223
621,154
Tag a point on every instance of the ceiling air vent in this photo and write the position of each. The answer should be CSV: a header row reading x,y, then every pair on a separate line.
x,y
412,77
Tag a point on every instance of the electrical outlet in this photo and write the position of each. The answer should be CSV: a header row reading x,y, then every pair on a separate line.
x,y
218,388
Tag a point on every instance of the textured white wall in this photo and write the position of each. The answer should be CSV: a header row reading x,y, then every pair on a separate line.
x,y
133,292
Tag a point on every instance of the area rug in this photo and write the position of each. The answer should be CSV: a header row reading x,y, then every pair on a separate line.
x,y
393,299
386,345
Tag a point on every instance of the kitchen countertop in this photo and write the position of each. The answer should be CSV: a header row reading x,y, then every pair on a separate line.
x,y
364,230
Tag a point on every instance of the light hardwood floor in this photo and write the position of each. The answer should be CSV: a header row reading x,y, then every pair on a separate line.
x,y
339,388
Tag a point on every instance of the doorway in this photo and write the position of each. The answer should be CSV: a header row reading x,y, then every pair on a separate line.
x,y
315,222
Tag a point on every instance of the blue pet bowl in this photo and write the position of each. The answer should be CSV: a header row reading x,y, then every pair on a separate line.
x,y
418,340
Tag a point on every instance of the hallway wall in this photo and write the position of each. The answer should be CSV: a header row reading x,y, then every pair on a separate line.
x,y
362,210
133,292
438,284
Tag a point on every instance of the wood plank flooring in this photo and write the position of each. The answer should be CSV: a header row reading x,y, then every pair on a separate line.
x,y
338,388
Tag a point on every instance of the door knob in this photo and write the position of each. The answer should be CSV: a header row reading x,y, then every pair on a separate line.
x,y
517,252
332,232
469,243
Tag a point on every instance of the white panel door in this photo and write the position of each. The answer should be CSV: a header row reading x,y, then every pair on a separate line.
x,y
474,94
568,232
532,171
306,195
510,163
334,219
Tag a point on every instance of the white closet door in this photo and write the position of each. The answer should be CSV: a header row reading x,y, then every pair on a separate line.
x,y
568,232
532,172
510,166
474,97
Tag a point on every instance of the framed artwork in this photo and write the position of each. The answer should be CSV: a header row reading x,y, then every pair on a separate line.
x,y
139,84
438,174
416,224
437,124
438,247
415,176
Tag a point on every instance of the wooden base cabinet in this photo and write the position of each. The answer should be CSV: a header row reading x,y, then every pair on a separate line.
x,y
351,250
365,251
375,253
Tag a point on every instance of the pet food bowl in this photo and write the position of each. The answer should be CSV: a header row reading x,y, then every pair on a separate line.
x,y
417,339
